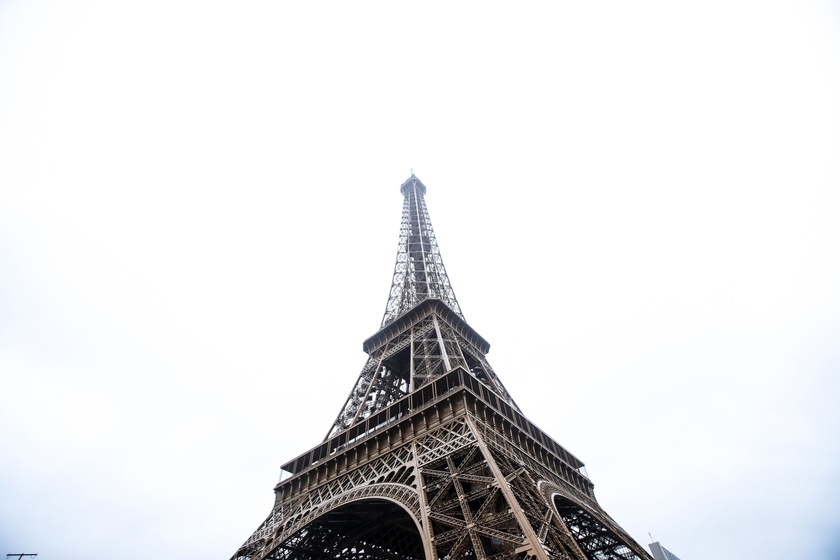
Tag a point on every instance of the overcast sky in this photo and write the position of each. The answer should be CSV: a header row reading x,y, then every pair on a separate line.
x,y
637,204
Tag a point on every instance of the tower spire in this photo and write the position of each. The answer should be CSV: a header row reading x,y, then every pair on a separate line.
x,y
423,333
419,273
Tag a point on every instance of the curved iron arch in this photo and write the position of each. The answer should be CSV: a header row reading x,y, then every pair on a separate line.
x,y
596,535
373,519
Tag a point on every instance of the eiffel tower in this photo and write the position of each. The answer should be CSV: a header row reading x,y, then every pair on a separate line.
x,y
430,457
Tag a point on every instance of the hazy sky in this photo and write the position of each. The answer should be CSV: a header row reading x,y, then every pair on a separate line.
x,y
637,204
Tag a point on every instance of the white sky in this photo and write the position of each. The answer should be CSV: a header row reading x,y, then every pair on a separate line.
x,y
199,208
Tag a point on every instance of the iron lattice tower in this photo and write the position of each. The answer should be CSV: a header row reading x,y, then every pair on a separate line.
x,y
430,458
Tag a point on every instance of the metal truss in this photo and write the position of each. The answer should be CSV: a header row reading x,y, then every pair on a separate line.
x,y
391,474
462,490
431,342
430,458
363,530
419,273
562,512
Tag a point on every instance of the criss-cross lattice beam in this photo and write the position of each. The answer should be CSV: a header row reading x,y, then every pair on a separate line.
x,y
419,273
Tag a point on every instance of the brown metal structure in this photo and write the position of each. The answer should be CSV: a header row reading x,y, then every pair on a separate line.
x,y
430,458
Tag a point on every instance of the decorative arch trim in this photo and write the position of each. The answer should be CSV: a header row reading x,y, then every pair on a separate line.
x,y
399,494
550,491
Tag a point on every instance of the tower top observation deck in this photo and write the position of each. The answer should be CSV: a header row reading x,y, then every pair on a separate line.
x,y
413,182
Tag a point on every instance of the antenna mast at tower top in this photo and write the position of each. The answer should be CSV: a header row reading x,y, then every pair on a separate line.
x,y
419,273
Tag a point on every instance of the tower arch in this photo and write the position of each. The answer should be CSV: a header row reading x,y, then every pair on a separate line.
x,y
596,535
370,528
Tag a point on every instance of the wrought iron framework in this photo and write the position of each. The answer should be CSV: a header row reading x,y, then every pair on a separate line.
x,y
419,273
430,458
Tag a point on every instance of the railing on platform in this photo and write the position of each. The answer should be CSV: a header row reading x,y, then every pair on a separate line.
x,y
418,400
